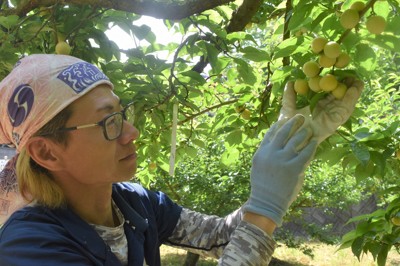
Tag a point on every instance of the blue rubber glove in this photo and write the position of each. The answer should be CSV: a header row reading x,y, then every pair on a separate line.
x,y
277,173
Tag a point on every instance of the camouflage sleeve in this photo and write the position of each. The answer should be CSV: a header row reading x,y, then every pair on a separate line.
x,y
249,245
229,238
202,234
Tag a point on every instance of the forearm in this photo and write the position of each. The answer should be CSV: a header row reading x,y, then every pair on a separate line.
x,y
238,239
249,245
204,234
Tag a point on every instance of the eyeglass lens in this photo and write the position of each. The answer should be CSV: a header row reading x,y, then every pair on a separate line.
x,y
113,126
129,113
114,123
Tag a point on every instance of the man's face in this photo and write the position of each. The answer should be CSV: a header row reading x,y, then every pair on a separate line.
x,y
88,157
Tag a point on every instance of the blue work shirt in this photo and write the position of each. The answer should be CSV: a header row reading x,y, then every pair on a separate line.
x,y
39,236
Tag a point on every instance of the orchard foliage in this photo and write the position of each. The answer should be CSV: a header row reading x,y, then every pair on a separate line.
x,y
227,75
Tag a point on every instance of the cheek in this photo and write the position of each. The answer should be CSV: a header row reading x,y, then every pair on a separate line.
x,y
93,154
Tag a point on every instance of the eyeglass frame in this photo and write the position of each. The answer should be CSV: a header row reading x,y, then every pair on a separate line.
x,y
101,123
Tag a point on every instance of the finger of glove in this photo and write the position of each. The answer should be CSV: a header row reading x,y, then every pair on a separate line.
x,y
359,84
307,153
288,101
286,131
331,105
272,132
298,141
349,81
351,97
353,82
338,111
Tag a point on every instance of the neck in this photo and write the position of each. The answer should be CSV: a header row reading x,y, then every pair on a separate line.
x,y
93,203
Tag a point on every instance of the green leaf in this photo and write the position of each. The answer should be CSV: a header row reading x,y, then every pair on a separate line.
x,y
281,73
388,42
195,77
135,69
234,138
239,35
301,15
374,248
212,55
191,151
245,71
393,26
142,32
357,246
145,180
9,21
199,143
332,156
230,157
361,152
365,58
289,47
382,256
317,21
377,213
153,150
254,54
364,171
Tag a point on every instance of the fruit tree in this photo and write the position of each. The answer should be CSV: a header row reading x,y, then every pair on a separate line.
x,y
224,78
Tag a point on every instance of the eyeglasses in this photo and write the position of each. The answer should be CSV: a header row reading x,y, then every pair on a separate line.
x,y
112,124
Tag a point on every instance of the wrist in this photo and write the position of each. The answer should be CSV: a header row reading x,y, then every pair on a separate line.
x,y
264,223
272,208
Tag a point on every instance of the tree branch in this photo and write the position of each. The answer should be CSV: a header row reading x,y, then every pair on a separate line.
x,y
243,15
174,10
206,110
239,20
286,32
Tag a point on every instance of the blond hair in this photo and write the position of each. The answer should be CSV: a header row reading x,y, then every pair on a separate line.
x,y
34,181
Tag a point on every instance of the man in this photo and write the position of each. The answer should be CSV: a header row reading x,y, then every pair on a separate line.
x,y
76,152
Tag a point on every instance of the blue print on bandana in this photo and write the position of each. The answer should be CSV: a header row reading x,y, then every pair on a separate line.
x,y
81,75
20,104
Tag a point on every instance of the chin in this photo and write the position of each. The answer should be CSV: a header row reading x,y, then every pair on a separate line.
x,y
127,177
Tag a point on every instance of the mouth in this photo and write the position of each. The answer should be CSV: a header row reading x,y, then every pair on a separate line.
x,y
130,156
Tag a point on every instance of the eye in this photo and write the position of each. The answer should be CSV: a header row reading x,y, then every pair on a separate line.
x,y
111,121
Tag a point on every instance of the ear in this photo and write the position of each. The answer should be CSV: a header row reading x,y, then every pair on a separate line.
x,y
44,152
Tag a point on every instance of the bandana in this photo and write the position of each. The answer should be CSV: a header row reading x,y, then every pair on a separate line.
x,y
36,90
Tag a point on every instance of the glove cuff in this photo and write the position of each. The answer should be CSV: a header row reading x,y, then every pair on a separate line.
x,y
274,213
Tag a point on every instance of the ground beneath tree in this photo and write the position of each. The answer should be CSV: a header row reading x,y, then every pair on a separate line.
x,y
278,262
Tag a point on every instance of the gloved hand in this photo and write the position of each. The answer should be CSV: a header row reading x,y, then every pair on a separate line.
x,y
277,173
328,114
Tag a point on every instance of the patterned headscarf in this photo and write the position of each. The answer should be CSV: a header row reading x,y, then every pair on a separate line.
x,y
36,90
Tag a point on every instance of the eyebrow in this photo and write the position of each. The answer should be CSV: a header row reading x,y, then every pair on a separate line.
x,y
108,107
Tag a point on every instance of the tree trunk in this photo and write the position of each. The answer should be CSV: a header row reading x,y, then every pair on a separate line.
x,y
191,259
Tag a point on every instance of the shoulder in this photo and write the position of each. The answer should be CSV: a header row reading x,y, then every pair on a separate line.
x,y
33,220
27,217
135,191
46,237
26,231
146,202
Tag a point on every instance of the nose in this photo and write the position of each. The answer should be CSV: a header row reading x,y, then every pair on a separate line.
x,y
129,133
